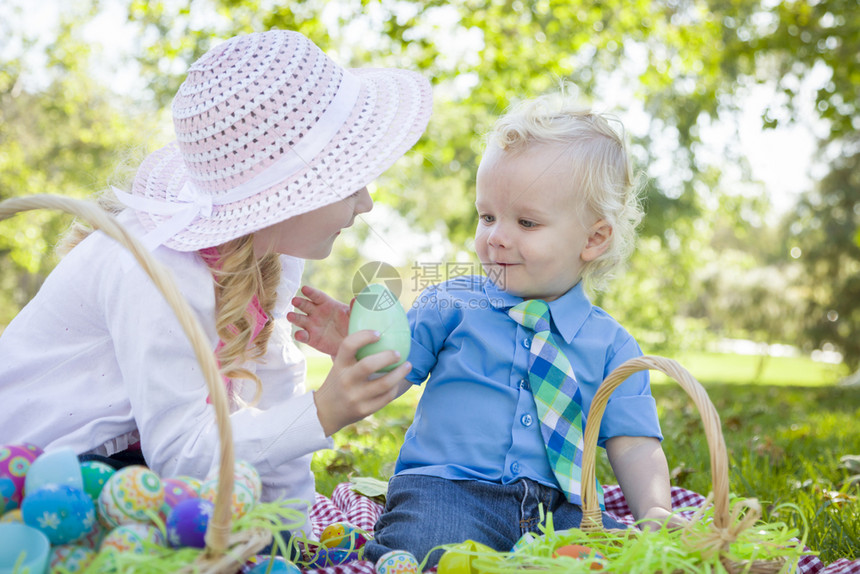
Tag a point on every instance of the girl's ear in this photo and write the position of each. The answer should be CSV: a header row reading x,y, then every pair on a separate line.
x,y
598,241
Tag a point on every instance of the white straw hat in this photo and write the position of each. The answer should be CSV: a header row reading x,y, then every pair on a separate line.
x,y
269,127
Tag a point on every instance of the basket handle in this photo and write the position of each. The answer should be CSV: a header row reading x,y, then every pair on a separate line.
x,y
218,531
592,520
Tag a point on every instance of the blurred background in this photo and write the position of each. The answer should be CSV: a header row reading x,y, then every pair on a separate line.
x,y
742,117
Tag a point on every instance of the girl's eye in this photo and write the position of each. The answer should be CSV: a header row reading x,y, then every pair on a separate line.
x,y
527,224
487,218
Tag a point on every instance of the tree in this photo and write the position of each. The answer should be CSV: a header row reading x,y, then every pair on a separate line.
x,y
825,235
64,137
668,69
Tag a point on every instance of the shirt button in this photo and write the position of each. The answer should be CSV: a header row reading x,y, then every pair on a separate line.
x,y
524,384
527,343
526,419
515,468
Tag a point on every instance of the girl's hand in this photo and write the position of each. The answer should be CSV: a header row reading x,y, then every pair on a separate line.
x,y
349,393
325,321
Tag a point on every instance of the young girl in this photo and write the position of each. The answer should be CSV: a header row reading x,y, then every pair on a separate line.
x,y
493,436
275,145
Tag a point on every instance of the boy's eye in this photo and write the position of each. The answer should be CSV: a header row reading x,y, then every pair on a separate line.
x,y
526,223
486,218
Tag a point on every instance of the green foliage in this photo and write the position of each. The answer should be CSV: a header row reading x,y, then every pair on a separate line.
x,y
63,138
683,66
687,63
828,221
786,441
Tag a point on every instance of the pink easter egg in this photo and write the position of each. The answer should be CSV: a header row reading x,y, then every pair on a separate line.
x,y
15,461
175,491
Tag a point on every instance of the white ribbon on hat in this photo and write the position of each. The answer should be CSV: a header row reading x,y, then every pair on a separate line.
x,y
191,202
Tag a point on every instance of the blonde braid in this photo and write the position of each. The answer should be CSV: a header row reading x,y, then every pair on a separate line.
x,y
239,275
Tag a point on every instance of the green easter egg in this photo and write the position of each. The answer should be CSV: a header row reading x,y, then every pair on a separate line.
x,y
95,474
376,308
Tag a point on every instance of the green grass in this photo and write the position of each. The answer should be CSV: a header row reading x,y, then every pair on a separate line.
x,y
778,371
785,435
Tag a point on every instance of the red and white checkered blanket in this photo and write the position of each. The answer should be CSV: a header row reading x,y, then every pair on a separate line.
x,y
345,505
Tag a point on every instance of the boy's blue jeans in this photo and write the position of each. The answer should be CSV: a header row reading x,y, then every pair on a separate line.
x,y
422,512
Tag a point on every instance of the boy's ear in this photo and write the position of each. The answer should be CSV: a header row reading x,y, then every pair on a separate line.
x,y
598,241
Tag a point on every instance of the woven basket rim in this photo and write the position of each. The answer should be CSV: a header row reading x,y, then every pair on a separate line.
x,y
592,519
223,548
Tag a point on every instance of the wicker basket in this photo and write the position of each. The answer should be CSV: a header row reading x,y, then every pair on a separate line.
x,y
226,551
727,523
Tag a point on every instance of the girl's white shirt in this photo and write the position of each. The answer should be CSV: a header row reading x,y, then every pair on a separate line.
x,y
98,359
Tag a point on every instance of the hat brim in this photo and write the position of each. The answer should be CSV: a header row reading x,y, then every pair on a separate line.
x,y
390,115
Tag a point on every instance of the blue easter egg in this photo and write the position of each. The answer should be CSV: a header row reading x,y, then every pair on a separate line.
x,y
58,466
278,564
332,557
7,495
344,535
187,523
64,513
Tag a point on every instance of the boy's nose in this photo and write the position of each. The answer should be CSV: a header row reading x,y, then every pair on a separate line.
x,y
498,237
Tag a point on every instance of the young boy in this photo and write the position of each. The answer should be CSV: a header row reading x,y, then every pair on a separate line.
x,y
556,209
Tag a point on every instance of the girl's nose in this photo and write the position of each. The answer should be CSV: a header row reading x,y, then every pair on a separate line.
x,y
363,203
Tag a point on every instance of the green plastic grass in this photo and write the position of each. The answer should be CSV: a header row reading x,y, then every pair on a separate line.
x,y
644,551
155,559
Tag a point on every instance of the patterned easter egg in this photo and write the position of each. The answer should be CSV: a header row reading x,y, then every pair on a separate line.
x,y
243,498
64,513
248,475
71,558
175,491
13,516
524,541
129,496
187,523
132,537
325,557
15,461
279,565
397,562
193,483
7,495
93,538
95,474
343,535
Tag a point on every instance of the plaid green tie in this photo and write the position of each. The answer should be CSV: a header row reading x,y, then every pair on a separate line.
x,y
557,398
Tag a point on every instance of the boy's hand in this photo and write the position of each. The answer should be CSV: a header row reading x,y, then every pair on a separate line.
x,y
325,322
348,393
655,517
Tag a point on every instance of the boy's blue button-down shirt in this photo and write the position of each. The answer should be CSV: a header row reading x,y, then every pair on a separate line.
x,y
476,418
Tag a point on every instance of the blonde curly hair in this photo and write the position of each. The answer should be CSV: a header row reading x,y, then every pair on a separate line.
x,y
598,162
239,276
